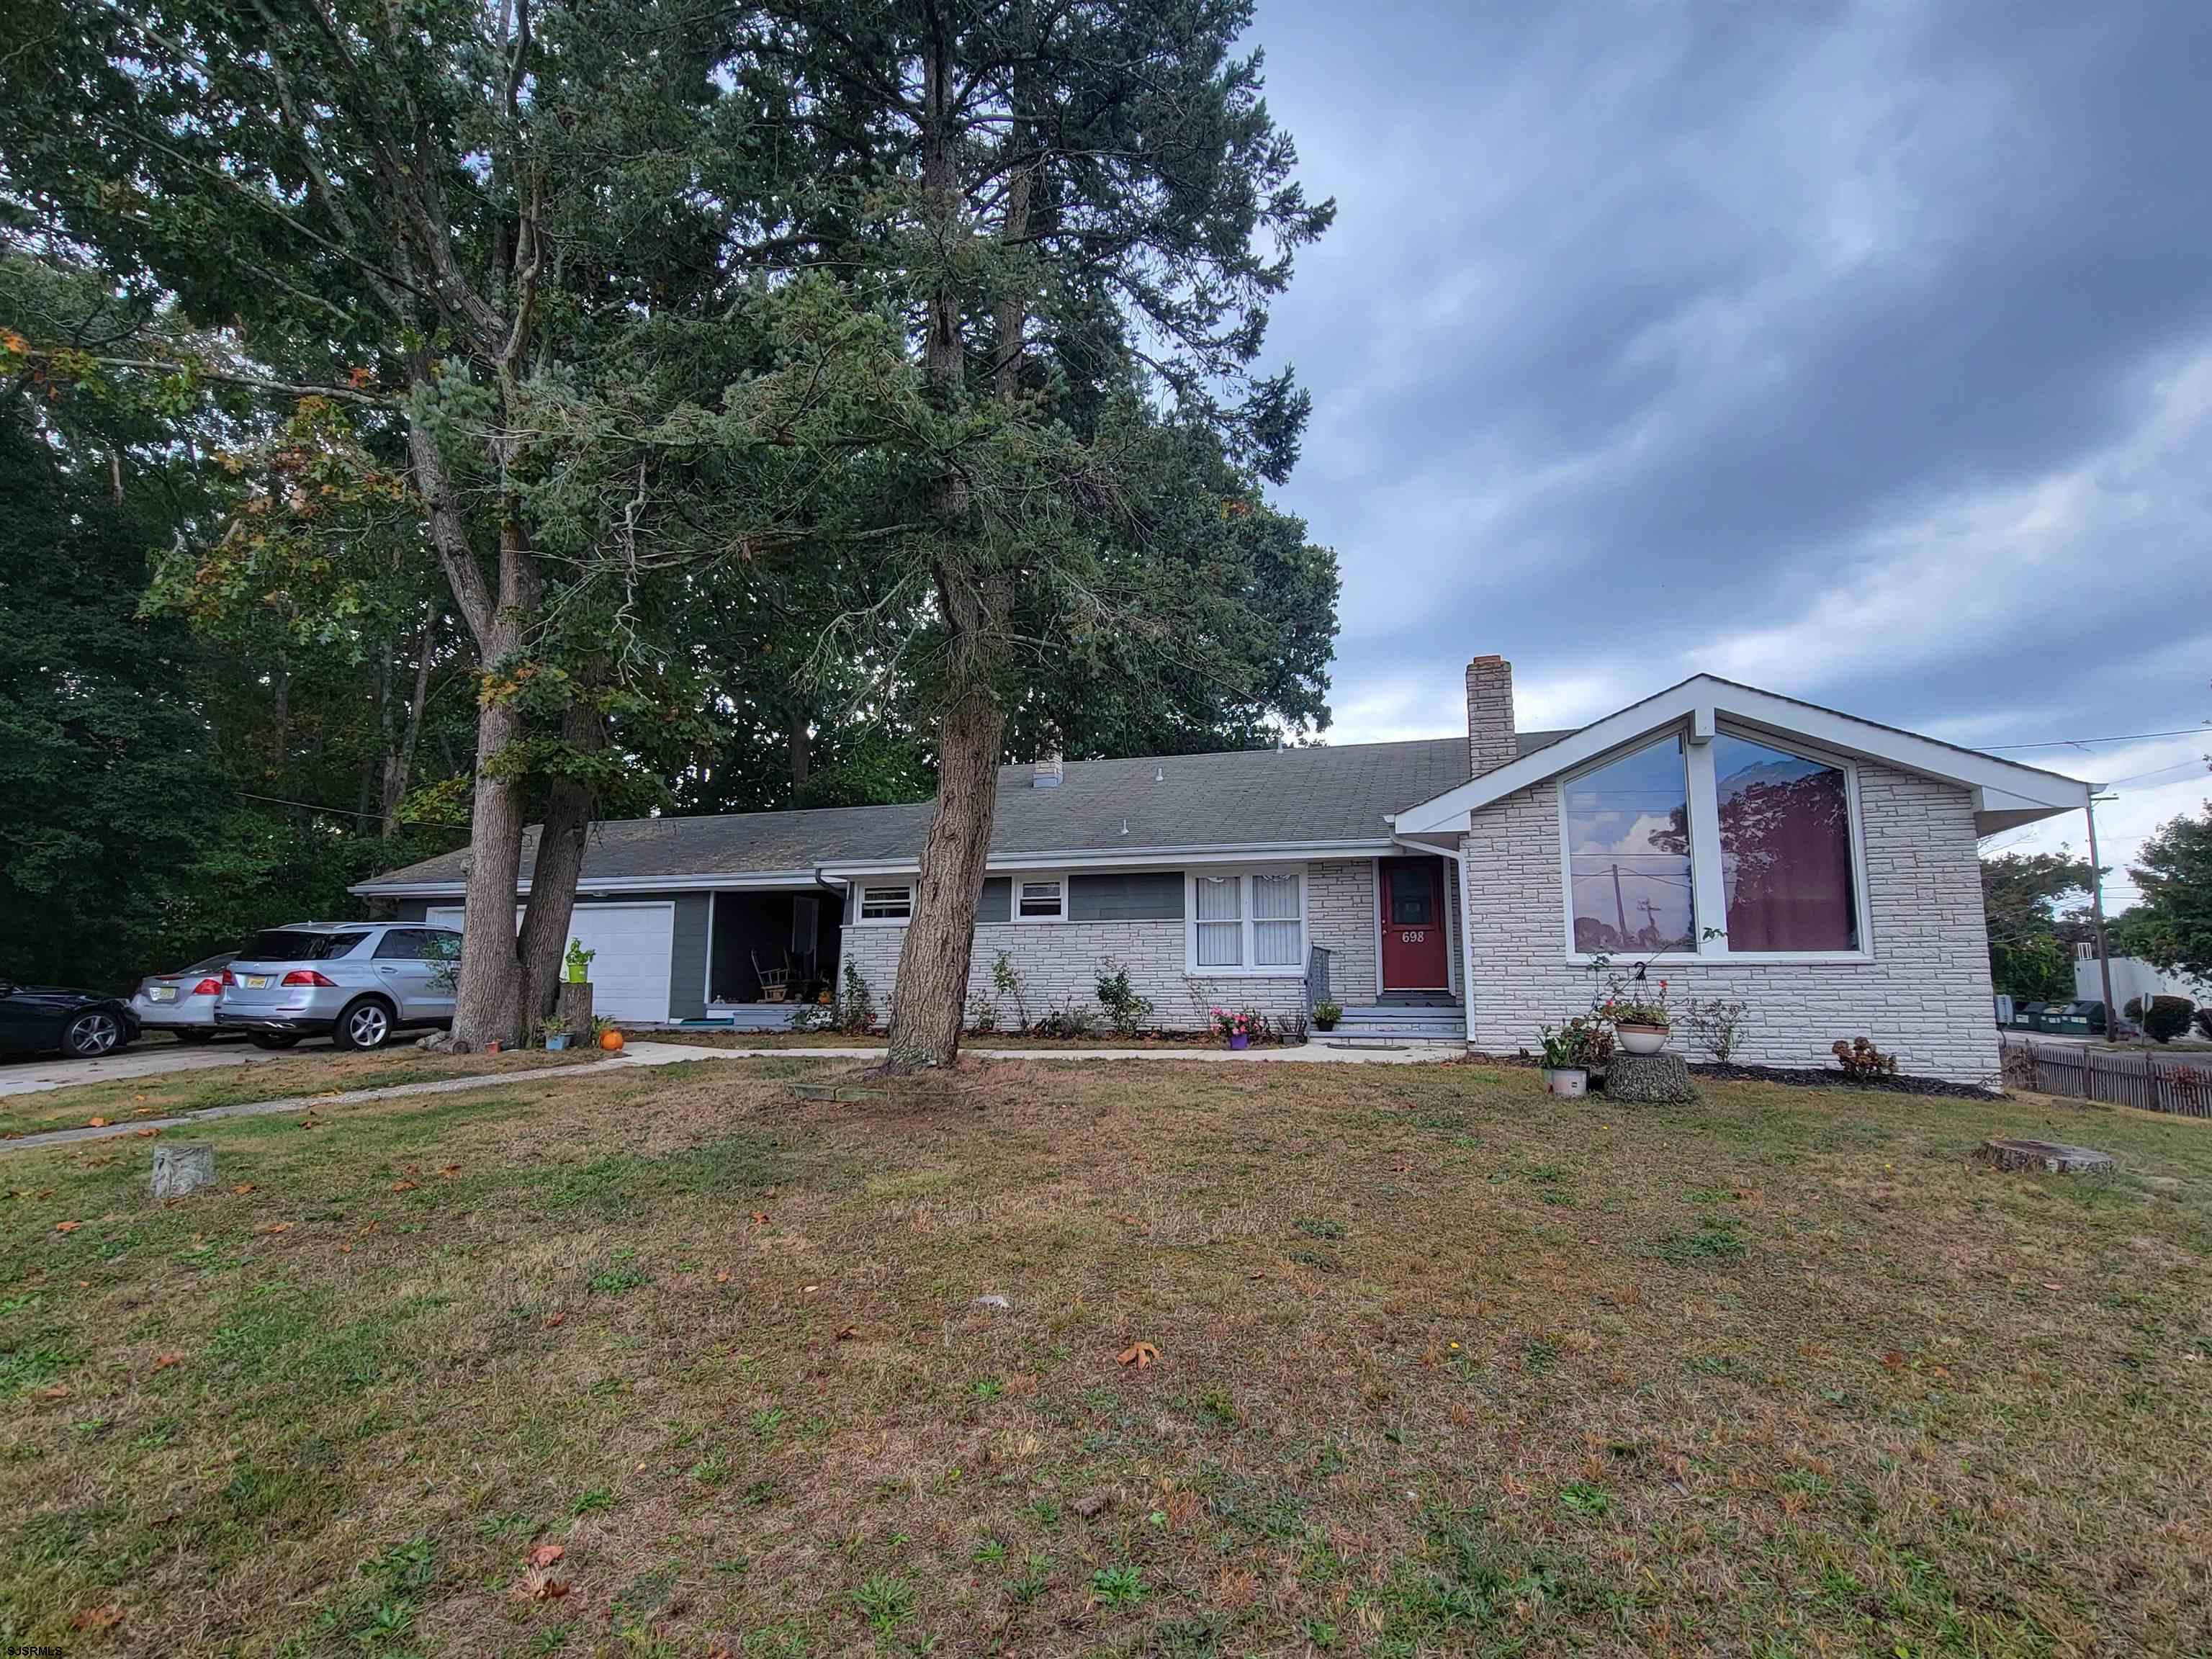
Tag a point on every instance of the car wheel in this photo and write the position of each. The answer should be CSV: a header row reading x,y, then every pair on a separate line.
x,y
366,1024
272,1039
92,1034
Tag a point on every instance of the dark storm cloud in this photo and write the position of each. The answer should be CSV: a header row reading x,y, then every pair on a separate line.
x,y
1864,351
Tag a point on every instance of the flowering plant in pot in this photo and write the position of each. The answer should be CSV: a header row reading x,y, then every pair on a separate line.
x,y
1234,1024
1572,1053
1640,1023
1326,1014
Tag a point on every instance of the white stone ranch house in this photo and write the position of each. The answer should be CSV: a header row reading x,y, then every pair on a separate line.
x,y
1819,867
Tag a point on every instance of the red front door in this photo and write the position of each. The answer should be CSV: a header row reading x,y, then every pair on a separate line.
x,y
1413,898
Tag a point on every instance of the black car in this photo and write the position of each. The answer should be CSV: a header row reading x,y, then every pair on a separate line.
x,y
39,1018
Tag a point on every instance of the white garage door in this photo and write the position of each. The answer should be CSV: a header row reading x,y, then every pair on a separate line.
x,y
634,943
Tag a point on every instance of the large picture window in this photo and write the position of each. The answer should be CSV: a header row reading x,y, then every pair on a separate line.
x,y
1247,921
1628,853
1737,847
1785,826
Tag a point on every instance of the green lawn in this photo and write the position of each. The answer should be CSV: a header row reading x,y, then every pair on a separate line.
x,y
1444,1367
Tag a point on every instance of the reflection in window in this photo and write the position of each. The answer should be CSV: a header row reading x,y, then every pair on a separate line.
x,y
1220,922
1411,895
1628,852
1785,849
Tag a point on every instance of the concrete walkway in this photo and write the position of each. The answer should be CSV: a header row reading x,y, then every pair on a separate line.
x,y
152,1058
674,1054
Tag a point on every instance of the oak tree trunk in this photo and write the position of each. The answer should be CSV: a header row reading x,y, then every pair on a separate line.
x,y
545,924
488,1005
930,997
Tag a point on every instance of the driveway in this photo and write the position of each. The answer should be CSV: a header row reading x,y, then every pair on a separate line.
x,y
32,1072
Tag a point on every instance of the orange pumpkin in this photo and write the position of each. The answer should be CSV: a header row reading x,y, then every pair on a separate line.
x,y
612,1041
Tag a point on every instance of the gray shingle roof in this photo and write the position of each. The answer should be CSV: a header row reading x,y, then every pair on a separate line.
x,y
1243,797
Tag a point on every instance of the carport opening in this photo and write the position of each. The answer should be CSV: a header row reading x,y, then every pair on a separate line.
x,y
793,934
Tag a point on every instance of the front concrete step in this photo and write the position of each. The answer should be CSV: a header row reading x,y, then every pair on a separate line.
x,y
1384,1023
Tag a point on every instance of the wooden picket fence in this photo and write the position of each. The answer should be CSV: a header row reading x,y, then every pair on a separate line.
x,y
2078,1072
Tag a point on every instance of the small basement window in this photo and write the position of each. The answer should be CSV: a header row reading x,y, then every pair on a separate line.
x,y
1041,898
886,904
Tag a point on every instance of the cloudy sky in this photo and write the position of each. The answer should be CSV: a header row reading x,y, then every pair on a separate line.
x,y
1863,351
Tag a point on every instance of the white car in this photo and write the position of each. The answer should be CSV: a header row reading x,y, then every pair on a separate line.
x,y
182,1003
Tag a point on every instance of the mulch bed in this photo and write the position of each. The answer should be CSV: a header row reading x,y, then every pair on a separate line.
x,y
1806,1077
1812,1076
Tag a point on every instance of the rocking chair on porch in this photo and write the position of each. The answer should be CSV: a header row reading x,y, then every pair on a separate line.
x,y
774,983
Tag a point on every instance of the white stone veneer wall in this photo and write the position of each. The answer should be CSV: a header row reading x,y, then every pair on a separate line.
x,y
1924,997
1058,961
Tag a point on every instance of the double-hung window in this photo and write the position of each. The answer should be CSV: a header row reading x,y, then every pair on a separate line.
x,y
1040,898
887,903
1247,921
1737,847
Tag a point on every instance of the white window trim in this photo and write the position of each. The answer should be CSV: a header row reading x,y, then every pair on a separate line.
x,y
1014,895
1708,890
1245,950
860,916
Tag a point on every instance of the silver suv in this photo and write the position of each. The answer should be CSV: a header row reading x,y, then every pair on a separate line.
x,y
357,980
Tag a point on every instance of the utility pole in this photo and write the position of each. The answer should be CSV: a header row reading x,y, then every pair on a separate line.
x,y
2097,916
1620,910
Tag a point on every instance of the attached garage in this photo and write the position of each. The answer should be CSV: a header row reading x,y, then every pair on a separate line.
x,y
636,943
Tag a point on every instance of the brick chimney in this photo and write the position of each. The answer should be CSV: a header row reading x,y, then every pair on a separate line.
x,y
1489,741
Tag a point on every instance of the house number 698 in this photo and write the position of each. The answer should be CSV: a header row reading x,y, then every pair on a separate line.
x,y
1413,936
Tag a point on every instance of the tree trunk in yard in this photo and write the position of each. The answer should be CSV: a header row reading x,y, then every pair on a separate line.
x,y
560,861
488,1007
930,997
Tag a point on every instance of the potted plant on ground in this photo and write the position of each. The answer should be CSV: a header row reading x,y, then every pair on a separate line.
x,y
1235,1026
577,963
1326,1014
556,1032
1640,1023
1569,1055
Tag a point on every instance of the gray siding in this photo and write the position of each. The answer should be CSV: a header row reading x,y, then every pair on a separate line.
x,y
687,957
1145,895
996,903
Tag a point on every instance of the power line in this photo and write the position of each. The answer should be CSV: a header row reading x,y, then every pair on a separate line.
x,y
2160,771
343,811
2124,737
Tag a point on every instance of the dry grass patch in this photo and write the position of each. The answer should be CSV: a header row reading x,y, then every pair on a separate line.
x,y
316,1073
1443,1366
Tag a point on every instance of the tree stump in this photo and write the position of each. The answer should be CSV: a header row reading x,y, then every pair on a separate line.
x,y
181,1169
2051,1157
573,1006
1660,1079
